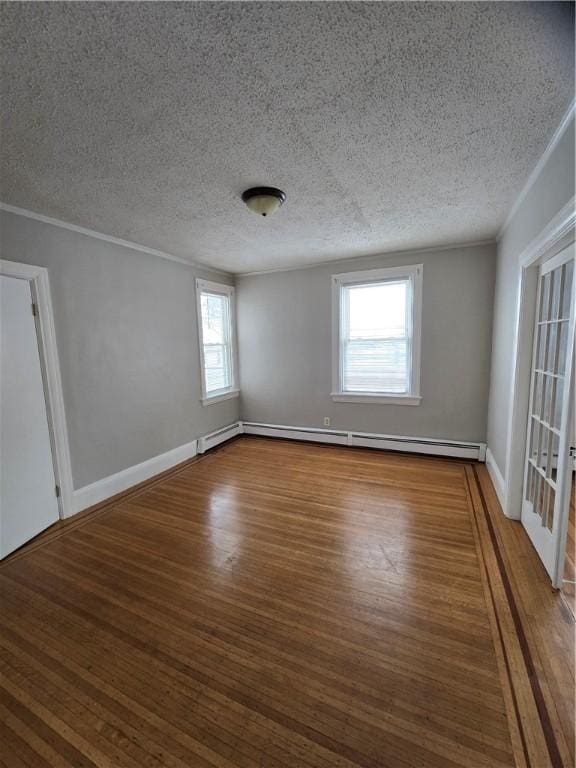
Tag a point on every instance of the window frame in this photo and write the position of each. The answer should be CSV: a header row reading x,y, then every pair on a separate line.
x,y
411,272
219,289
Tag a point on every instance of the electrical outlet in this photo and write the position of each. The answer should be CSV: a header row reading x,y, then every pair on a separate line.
x,y
326,421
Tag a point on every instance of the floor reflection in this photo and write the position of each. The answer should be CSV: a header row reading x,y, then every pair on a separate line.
x,y
226,529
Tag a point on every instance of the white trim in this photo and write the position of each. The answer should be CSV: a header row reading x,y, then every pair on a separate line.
x,y
551,545
40,289
108,487
426,445
228,395
496,477
103,489
19,270
310,434
121,481
557,228
529,183
375,256
376,275
204,265
353,397
552,263
519,393
210,286
414,273
221,289
219,436
108,238
553,238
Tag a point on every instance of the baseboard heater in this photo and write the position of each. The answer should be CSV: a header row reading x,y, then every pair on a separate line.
x,y
219,436
425,445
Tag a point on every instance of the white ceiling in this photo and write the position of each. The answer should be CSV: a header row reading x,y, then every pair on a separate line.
x,y
388,125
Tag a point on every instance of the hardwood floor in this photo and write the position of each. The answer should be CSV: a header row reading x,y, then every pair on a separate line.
x,y
538,634
275,604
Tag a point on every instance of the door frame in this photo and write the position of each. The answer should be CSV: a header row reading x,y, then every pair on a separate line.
x,y
39,282
559,233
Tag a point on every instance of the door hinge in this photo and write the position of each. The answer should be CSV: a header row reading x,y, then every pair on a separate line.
x,y
34,309
57,491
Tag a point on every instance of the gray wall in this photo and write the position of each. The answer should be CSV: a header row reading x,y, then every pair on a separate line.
x,y
128,346
552,190
284,327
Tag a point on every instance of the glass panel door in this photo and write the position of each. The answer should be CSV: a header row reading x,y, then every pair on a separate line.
x,y
547,450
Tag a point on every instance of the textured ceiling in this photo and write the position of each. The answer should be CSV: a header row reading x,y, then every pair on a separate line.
x,y
388,125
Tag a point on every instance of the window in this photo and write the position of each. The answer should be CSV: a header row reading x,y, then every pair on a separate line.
x,y
376,329
215,305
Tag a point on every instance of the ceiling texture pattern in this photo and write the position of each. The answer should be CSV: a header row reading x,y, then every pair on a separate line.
x,y
388,125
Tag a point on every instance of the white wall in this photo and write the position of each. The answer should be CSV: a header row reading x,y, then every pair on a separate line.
x,y
284,327
551,191
127,340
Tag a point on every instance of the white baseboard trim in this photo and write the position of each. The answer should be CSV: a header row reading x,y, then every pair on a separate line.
x,y
310,434
426,445
85,497
219,436
92,494
496,477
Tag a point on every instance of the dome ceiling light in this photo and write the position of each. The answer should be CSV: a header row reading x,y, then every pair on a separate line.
x,y
263,200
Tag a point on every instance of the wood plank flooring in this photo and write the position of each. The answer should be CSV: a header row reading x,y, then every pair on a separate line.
x,y
548,624
273,604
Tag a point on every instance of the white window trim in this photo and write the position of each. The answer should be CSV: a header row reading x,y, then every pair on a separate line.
x,y
376,397
414,272
229,394
222,289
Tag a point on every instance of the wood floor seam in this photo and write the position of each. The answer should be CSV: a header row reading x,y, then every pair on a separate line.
x,y
282,604
556,760
517,719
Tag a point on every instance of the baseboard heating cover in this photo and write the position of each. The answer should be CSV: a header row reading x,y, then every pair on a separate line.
x,y
425,445
101,490
219,436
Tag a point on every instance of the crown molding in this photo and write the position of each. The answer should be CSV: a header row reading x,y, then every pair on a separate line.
x,y
108,238
562,224
382,254
556,136
202,265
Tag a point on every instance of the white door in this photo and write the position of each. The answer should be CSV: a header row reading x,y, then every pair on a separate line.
x,y
28,502
547,462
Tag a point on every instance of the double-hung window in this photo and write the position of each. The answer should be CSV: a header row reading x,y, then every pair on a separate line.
x,y
215,304
376,330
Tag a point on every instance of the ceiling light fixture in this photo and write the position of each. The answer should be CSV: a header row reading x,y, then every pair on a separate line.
x,y
263,200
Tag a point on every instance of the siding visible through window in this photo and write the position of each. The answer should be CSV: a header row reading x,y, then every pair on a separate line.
x,y
215,337
376,332
375,337
216,331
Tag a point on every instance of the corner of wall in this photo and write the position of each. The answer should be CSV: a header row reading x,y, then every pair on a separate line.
x,y
497,479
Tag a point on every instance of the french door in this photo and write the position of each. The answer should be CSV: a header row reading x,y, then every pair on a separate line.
x,y
547,462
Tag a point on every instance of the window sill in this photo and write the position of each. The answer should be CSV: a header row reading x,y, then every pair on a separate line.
x,y
360,397
213,399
